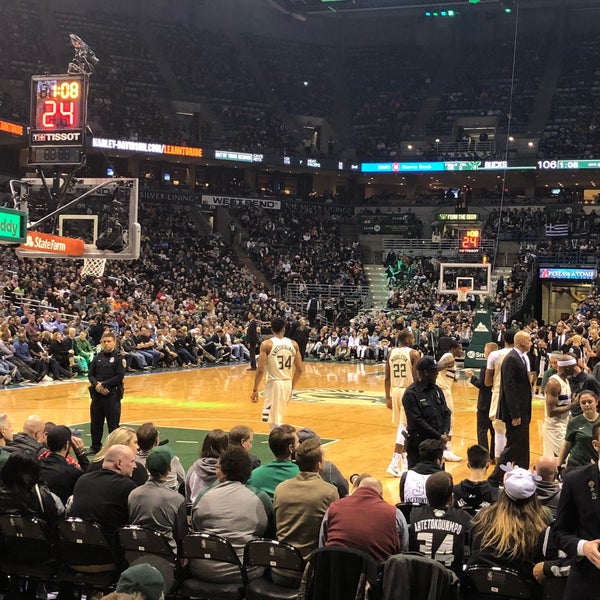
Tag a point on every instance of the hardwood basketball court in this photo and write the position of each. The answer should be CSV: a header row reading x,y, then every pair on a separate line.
x,y
344,402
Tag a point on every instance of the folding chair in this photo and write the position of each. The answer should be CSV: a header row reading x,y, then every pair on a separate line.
x,y
337,573
145,545
482,582
418,577
88,560
207,546
27,554
271,553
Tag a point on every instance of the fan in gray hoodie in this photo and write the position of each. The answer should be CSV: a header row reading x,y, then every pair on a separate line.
x,y
202,474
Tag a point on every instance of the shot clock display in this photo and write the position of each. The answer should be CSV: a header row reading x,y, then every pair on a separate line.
x,y
58,119
469,240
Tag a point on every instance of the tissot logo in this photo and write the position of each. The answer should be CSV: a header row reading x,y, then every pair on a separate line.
x,y
71,136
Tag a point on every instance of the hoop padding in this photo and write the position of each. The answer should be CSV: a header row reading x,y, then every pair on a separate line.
x,y
462,294
93,267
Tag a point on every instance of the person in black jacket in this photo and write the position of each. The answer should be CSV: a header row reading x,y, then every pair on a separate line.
x,y
106,374
484,400
22,493
427,414
475,492
577,526
253,339
299,333
32,436
59,474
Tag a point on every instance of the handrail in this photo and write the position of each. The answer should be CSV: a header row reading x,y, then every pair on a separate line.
x,y
348,300
587,258
428,247
37,306
518,303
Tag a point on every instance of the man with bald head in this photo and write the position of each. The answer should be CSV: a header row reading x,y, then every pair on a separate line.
x,y
101,495
547,488
32,438
6,436
365,521
514,406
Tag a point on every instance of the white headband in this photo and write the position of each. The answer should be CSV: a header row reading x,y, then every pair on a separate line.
x,y
567,362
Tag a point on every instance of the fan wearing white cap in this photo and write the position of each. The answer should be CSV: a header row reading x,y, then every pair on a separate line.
x,y
506,533
558,406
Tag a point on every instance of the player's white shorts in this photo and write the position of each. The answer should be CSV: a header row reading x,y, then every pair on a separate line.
x,y
397,408
276,396
398,416
553,435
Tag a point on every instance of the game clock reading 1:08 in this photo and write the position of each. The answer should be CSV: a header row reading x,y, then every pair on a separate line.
x,y
58,118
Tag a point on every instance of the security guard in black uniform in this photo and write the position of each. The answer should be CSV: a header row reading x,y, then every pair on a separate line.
x,y
427,414
106,373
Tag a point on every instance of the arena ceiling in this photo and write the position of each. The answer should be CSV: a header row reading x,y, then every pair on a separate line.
x,y
348,7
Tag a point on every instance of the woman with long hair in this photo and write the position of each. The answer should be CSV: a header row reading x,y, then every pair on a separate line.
x,y
203,473
127,437
506,533
21,490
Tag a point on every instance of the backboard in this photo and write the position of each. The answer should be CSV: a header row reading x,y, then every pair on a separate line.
x,y
476,276
100,212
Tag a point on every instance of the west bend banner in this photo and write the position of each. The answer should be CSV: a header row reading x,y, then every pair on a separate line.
x,y
233,201
186,197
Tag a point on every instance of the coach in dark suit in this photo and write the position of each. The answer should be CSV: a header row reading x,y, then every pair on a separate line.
x,y
559,338
577,526
253,340
514,406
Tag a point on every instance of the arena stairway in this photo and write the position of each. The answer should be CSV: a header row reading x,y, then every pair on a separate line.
x,y
378,285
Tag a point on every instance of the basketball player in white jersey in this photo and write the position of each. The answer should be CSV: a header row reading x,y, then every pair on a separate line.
x,y
399,374
558,405
492,378
445,379
281,360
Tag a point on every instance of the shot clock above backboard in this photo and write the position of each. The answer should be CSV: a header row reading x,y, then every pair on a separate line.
x,y
469,240
58,119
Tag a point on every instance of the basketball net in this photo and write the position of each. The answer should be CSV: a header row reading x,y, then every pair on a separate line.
x,y
93,267
462,294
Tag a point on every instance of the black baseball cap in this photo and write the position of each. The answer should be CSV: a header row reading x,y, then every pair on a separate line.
x,y
428,363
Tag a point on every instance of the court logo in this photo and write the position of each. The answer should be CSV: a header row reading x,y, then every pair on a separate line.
x,y
339,397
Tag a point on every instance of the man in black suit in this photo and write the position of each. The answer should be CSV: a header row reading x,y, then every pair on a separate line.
x,y
253,339
577,526
559,337
313,306
514,407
